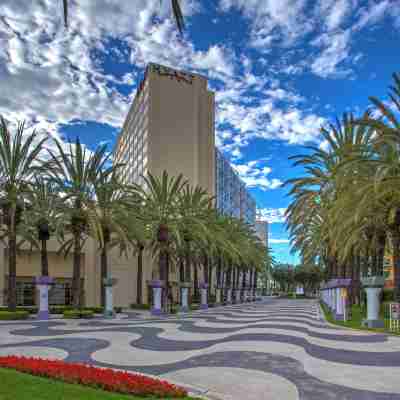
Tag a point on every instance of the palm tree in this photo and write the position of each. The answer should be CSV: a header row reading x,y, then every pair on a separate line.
x,y
75,171
175,5
194,210
109,214
315,217
160,199
43,217
19,154
386,161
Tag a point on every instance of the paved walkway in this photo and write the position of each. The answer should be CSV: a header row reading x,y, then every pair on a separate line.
x,y
275,349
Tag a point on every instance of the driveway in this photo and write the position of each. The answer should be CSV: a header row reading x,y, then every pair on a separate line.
x,y
274,349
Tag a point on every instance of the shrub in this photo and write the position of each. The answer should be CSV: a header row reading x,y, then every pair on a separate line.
x,y
102,378
95,310
388,295
118,310
12,315
30,310
140,306
194,307
59,309
75,314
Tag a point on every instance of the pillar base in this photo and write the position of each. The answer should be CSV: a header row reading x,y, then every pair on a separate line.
x,y
183,309
338,317
203,306
43,315
157,311
108,314
373,323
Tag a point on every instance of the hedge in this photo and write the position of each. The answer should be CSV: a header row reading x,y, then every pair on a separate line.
x,y
13,315
140,306
388,295
76,314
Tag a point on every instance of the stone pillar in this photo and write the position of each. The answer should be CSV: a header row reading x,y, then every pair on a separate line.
x,y
203,293
229,296
373,302
185,296
157,287
218,296
339,304
237,296
3,269
373,286
43,284
109,304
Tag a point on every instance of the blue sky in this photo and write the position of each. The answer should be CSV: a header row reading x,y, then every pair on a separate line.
x,y
280,70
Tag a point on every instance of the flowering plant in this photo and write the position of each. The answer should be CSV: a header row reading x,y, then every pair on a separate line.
x,y
102,378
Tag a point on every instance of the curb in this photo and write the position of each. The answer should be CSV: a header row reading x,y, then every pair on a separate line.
x,y
194,391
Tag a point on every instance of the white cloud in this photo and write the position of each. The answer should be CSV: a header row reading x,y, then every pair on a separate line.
x,y
374,11
283,20
278,241
272,215
334,12
254,174
336,49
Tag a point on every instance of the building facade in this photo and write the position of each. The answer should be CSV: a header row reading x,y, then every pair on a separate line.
x,y
261,229
232,197
170,126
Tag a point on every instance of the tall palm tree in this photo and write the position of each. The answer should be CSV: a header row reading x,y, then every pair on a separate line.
x,y
160,199
110,211
386,160
43,217
19,154
314,214
175,5
75,170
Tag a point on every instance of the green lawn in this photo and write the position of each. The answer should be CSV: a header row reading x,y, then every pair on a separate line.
x,y
358,314
19,386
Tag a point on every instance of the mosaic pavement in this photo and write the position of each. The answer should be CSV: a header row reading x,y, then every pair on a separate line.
x,y
274,349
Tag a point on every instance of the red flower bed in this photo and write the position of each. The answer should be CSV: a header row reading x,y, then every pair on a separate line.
x,y
102,378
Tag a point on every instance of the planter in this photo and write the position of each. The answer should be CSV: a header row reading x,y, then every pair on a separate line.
x,y
157,287
185,286
109,307
373,286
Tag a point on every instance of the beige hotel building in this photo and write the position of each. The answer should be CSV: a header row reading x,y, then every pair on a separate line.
x,y
169,126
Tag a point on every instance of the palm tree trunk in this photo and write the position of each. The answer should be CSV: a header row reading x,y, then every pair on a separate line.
x,y
381,252
396,263
12,265
103,275
188,274
196,280
44,258
219,272
229,277
76,278
205,265
139,282
210,269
